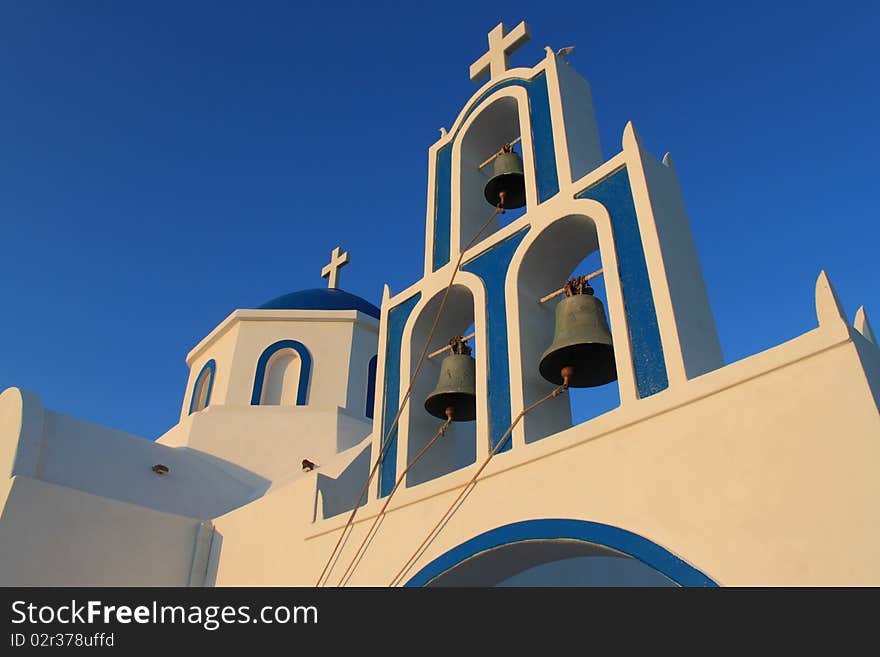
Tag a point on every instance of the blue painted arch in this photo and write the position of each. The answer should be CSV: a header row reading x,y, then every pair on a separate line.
x,y
305,370
548,529
210,367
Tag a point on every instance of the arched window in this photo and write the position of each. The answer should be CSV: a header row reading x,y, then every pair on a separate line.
x,y
371,386
281,381
282,376
201,395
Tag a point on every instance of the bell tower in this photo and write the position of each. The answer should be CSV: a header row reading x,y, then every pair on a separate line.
x,y
528,138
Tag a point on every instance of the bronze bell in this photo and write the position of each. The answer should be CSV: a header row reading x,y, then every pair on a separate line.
x,y
581,341
457,386
508,178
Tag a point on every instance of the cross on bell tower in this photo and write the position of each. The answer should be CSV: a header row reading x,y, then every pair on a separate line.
x,y
331,269
501,45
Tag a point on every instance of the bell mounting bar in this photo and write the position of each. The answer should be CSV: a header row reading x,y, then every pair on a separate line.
x,y
499,152
448,347
556,293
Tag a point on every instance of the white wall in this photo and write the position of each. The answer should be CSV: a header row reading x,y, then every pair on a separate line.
x,y
54,536
753,474
581,129
271,441
222,348
117,465
340,343
95,459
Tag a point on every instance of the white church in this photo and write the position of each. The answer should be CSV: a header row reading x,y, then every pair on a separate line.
x,y
323,441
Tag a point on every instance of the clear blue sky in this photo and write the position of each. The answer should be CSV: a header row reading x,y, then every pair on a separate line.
x,y
164,163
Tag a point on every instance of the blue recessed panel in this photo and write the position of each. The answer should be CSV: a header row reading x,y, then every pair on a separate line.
x,y
551,529
492,266
442,206
542,137
397,317
649,364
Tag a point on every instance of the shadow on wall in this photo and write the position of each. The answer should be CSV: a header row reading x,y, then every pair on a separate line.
x,y
214,559
335,496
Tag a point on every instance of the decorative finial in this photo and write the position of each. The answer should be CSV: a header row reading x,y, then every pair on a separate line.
x,y
494,63
331,270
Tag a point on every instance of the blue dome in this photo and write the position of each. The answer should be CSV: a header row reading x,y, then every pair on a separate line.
x,y
321,299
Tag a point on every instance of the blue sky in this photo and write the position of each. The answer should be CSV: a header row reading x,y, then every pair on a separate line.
x,y
162,164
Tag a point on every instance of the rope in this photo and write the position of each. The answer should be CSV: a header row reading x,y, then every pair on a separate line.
x,y
387,439
466,489
357,555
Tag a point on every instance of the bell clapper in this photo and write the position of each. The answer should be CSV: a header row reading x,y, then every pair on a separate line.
x,y
567,372
501,196
450,416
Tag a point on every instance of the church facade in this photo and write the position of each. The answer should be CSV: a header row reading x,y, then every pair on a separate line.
x,y
305,453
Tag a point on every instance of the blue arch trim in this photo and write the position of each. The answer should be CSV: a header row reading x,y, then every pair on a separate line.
x,y
638,547
397,317
371,386
546,176
211,366
649,363
305,370
491,266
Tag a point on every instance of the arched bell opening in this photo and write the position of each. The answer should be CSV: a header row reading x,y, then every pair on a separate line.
x,y
566,248
496,125
457,448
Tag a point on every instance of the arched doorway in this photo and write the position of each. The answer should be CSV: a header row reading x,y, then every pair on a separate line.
x,y
547,552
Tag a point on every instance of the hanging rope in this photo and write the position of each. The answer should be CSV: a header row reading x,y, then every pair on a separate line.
x,y
467,487
328,567
358,555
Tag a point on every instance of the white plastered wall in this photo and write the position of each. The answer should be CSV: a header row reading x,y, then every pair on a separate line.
x,y
112,464
51,535
751,473
340,343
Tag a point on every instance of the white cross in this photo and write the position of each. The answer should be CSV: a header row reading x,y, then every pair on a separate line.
x,y
501,45
337,261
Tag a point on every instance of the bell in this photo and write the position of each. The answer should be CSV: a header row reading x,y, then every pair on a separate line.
x,y
457,386
581,342
507,179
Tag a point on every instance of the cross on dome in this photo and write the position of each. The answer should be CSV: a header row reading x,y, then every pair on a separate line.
x,y
501,45
331,269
